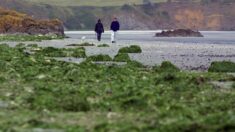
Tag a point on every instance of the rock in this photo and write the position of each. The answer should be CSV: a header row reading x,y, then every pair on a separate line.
x,y
12,22
47,130
3,104
109,63
223,85
200,68
232,74
179,33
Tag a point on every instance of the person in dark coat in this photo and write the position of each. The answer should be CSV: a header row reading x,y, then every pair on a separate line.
x,y
99,29
115,26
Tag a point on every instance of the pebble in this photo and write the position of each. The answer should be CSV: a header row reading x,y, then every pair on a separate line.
x,y
3,104
47,130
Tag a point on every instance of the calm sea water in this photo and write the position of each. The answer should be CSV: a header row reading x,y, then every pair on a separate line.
x,y
210,37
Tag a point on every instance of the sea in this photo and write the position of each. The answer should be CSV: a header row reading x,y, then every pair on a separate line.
x,y
210,37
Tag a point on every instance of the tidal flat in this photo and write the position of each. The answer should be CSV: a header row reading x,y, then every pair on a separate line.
x,y
40,93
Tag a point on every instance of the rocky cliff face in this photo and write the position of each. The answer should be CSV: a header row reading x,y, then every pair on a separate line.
x,y
12,22
170,15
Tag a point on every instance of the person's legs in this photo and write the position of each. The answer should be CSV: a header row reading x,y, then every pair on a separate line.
x,y
112,36
115,36
98,36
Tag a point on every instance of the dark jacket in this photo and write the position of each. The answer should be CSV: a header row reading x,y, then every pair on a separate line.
x,y
99,28
115,26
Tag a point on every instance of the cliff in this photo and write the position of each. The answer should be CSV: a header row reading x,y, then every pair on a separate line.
x,y
204,15
12,22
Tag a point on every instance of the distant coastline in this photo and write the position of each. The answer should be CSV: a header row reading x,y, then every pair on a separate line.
x,y
169,15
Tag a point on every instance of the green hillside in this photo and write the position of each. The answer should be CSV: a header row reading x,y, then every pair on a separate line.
x,y
93,2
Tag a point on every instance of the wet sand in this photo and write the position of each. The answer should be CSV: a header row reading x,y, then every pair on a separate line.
x,y
185,56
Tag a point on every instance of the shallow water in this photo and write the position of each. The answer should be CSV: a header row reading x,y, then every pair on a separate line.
x,y
210,37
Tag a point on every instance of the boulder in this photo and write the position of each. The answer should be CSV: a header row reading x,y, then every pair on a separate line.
x,y
12,22
179,33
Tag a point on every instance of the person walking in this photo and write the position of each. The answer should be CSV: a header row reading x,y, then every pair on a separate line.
x,y
115,26
99,29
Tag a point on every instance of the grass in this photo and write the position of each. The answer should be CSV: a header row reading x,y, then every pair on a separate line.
x,y
22,38
224,66
122,57
130,49
103,45
101,3
99,58
45,94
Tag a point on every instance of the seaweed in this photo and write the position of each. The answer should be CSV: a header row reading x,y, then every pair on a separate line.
x,y
22,38
103,45
130,49
45,94
166,66
99,58
122,57
82,44
63,52
223,66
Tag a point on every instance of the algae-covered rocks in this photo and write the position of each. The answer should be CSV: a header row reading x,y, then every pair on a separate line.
x,y
122,57
99,58
103,45
130,49
82,44
179,33
63,52
25,37
38,91
223,66
166,66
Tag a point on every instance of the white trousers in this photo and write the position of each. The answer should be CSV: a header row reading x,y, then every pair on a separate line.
x,y
113,36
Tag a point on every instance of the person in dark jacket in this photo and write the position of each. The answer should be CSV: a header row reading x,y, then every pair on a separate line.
x,y
99,29
115,26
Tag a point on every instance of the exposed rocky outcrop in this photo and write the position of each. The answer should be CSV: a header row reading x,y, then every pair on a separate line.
x,y
12,22
179,33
